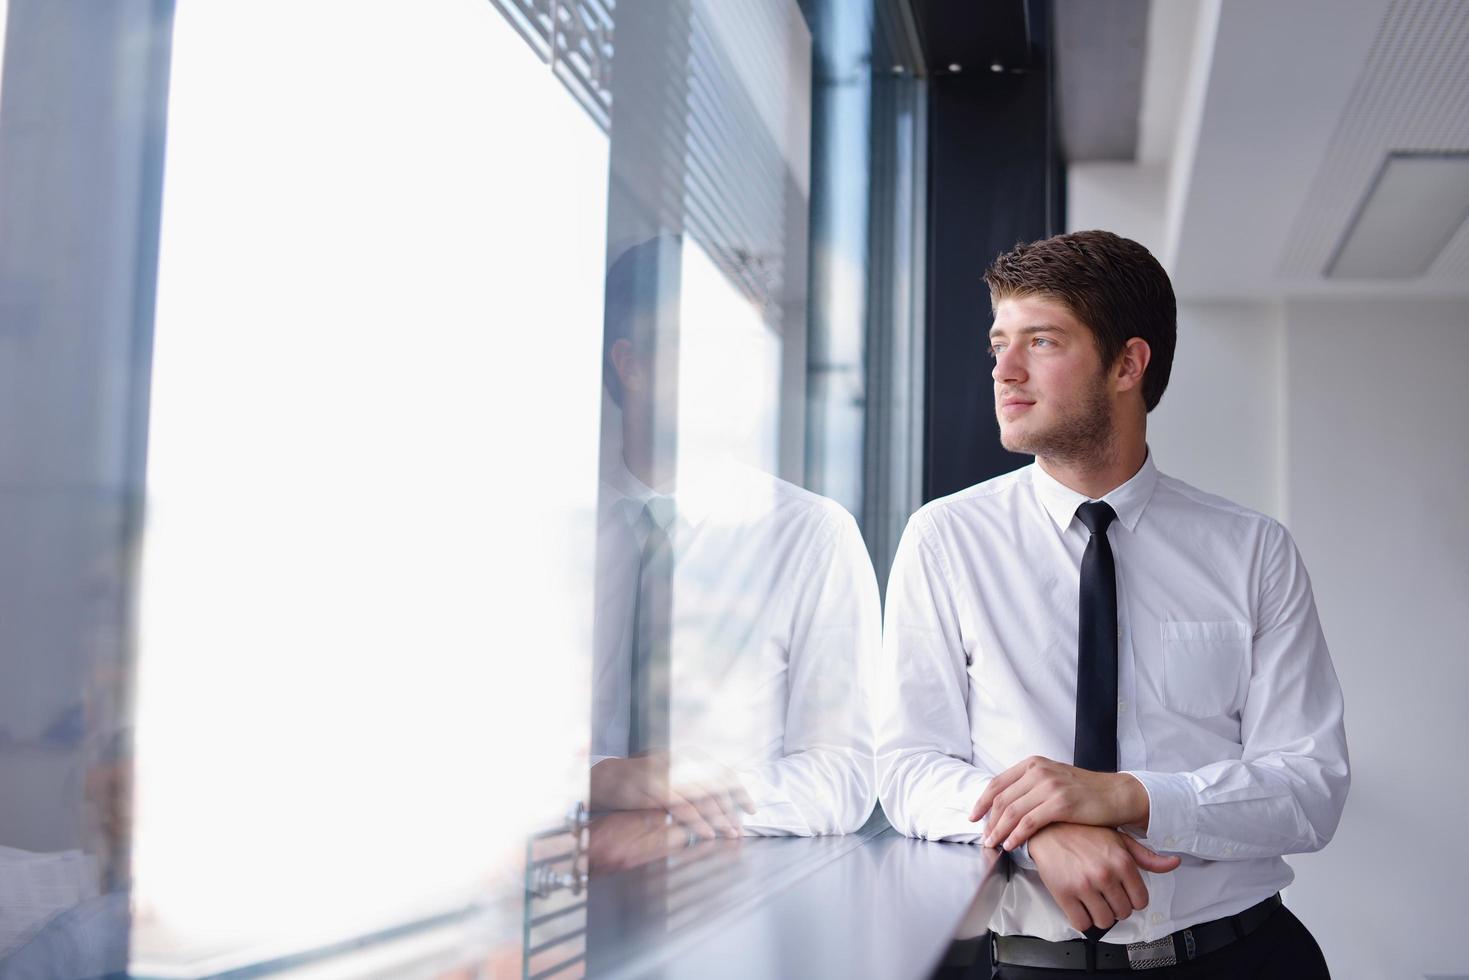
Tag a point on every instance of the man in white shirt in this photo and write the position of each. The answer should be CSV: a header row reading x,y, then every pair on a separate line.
x,y
773,621
737,620
1000,666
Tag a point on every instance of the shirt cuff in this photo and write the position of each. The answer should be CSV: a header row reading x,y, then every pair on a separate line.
x,y
1173,808
773,816
1021,857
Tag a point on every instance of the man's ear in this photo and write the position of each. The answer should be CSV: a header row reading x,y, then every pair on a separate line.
x,y
625,365
1131,364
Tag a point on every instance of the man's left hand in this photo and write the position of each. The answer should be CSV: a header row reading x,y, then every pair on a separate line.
x,y
1038,791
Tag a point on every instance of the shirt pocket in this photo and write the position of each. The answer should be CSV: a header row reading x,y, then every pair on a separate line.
x,y
1204,666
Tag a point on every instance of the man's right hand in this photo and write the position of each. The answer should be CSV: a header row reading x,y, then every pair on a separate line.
x,y
1092,872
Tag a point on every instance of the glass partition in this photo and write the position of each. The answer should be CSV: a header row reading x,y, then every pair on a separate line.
x,y
371,474
411,528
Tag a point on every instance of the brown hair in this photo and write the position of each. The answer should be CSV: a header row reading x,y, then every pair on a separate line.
x,y
1111,284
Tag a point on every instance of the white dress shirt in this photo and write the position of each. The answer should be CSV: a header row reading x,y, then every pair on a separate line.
x,y
775,630
1229,711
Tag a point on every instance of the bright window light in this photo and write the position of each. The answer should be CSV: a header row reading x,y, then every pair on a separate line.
x,y
728,371
372,474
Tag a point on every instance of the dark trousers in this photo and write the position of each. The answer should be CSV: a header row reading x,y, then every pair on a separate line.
x,y
1281,949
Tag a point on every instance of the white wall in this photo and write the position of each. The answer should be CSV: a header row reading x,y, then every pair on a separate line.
x,y
1350,421
1217,426
1377,422
1126,199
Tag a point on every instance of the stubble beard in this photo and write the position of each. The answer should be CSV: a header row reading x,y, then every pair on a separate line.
x,y
1084,435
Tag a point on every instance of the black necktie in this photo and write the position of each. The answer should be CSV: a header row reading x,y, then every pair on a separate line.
x,y
1096,663
1096,653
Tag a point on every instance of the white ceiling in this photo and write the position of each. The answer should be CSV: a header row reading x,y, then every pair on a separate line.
x,y
1100,58
1292,109
1412,94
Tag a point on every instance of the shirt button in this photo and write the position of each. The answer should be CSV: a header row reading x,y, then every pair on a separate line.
x,y
1157,918
1122,707
1170,841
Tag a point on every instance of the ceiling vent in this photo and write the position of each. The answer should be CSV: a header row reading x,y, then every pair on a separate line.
x,y
1412,93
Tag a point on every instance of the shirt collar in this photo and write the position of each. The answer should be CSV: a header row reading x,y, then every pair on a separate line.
x,y
1128,500
694,499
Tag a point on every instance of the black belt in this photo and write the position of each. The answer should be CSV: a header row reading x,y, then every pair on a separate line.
x,y
1180,947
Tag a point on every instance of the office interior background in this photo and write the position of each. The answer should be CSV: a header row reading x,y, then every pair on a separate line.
x,y
303,354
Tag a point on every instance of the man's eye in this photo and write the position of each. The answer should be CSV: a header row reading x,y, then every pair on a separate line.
x,y
995,350
1044,340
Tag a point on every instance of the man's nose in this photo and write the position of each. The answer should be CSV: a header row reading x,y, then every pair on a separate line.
x,y
1009,368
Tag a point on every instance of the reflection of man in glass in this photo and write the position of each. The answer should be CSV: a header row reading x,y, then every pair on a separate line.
x,y
736,614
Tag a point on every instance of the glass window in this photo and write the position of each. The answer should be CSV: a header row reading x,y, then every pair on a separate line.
x,y
371,475
410,483
4,18
729,371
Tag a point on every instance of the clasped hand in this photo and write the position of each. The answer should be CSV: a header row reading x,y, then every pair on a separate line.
x,y
1038,792
1093,873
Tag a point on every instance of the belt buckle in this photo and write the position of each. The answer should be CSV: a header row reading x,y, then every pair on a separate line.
x,y
1146,956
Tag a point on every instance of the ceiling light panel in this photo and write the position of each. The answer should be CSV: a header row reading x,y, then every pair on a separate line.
x,y
1417,203
1412,93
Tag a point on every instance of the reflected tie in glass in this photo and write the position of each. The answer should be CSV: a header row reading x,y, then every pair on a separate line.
x,y
652,611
